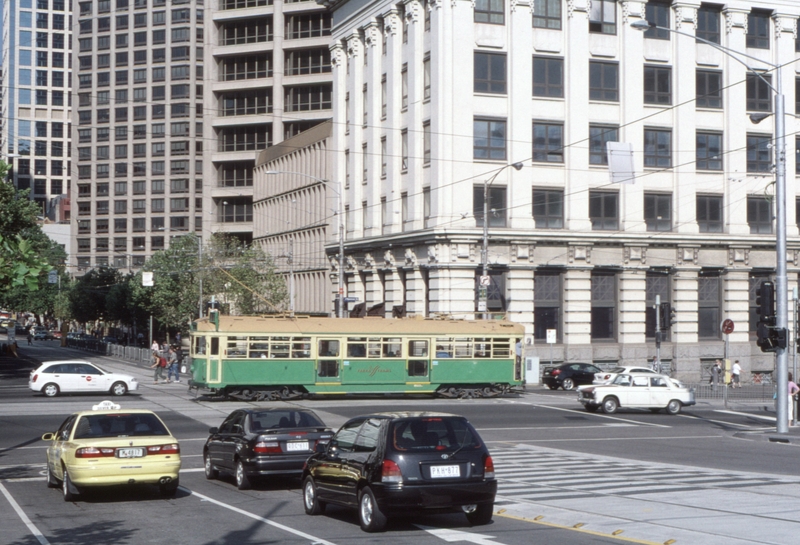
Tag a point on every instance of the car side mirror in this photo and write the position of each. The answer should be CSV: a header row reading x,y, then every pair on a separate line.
x,y
48,436
333,448
213,431
320,447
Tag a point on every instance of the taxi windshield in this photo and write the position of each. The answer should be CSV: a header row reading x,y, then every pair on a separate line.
x,y
433,434
119,425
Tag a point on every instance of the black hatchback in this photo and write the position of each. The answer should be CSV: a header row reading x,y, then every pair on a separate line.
x,y
256,443
569,375
392,463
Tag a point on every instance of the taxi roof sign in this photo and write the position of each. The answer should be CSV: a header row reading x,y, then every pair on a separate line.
x,y
106,406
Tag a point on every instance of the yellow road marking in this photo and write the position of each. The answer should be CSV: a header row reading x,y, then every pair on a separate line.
x,y
578,528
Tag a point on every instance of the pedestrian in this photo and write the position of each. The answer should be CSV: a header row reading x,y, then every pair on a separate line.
x,y
715,370
736,372
178,339
793,390
154,346
159,364
172,361
30,338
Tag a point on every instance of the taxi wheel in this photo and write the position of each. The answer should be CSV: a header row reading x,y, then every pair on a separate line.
x,y
211,472
311,503
50,389
481,515
119,389
67,487
568,384
52,482
674,407
610,405
369,514
242,481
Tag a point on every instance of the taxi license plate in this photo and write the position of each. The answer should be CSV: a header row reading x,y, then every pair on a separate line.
x,y
130,452
443,472
297,445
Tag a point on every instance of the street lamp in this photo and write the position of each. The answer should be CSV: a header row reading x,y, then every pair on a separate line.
x,y
340,213
483,294
781,287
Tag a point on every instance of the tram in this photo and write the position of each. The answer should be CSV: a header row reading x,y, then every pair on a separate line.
x,y
256,358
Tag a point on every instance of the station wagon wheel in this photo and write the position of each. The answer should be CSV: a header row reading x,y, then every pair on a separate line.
x,y
311,502
67,487
52,481
50,389
119,389
242,481
211,471
610,405
674,407
568,384
369,514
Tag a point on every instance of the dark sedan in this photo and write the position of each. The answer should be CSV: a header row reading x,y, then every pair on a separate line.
x,y
569,375
389,464
256,443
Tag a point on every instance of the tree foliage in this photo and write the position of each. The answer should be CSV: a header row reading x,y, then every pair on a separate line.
x,y
88,296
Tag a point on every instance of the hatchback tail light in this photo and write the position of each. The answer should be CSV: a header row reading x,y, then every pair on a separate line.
x,y
267,447
94,452
488,468
556,372
173,448
35,376
390,472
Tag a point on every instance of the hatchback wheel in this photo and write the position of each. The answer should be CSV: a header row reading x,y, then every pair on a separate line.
x,y
674,407
610,405
369,514
311,502
119,389
482,514
50,389
211,471
242,481
568,384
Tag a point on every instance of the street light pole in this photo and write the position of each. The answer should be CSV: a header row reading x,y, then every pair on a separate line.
x,y
200,276
781,282
340,213
483,290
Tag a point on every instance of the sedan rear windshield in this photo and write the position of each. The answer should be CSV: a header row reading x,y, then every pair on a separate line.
x,y
283,419
119,425
434,433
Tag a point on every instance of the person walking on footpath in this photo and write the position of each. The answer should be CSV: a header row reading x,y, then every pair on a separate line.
x,y
736,375
793,390
172,361
159,365
715,370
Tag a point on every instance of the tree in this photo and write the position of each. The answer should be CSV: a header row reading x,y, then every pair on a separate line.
x,y
88,296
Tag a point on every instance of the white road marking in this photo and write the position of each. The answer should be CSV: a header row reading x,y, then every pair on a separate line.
x,y
737,413
314,540
34,530
611,425
451,536
588,414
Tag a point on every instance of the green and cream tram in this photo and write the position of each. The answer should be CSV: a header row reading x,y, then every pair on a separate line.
x,y
280,357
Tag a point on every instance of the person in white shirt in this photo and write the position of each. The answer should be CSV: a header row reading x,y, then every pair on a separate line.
x,y
736,372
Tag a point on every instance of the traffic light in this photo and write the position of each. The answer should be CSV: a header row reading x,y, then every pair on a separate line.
x,y
764,338
666,316
765,300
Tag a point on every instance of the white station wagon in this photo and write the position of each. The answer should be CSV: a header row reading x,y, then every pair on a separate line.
x,y
637,391
78,376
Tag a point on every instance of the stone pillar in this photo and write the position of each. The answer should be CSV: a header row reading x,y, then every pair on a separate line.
x,y
577,336
685,357
415,292
632,306
519,288
453,291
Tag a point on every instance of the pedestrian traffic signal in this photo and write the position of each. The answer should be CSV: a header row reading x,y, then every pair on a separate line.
x,y
765,300
666,316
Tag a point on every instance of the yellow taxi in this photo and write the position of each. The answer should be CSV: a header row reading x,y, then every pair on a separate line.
x,y
110,446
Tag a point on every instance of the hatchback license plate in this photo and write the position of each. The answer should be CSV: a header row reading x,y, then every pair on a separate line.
x,y
130,452
297,445
441,472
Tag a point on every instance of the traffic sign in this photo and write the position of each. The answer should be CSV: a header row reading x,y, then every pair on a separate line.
x,y
52,277
551,336
350,299
486,281
727,326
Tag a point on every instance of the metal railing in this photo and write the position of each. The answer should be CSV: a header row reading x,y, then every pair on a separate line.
x,y
131,353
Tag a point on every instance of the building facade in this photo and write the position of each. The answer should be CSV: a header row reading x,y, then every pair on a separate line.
x,y
433,101
36,102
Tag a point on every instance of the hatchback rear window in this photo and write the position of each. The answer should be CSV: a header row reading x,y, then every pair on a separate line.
x,y
283,419
433,434
119,425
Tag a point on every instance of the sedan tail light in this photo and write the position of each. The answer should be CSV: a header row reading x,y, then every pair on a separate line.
x,y
94,452
488,468
556,372
390,472
173,448
267,447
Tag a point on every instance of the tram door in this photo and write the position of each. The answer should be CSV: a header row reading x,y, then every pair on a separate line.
x,y
329,360
214,368
419,361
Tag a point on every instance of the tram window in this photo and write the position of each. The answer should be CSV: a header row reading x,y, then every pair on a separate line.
x,y
236,347
418,349
444,348
463,348
200,345
501,348
356,347
374,347
417,368
392,348
329,348
301,347
483,348
328,368
215,346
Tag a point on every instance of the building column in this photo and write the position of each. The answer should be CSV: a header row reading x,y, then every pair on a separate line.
x,y
578,312
453,291
393,290
685,356
519,291
415,292
632,308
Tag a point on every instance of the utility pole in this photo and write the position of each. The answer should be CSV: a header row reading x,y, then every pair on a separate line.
x,y
658,334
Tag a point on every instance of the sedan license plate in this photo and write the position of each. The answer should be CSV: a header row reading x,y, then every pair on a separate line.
x,y
130,452
443,472
297,445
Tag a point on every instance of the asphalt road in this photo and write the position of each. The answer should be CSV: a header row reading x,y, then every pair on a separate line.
x,y
565,476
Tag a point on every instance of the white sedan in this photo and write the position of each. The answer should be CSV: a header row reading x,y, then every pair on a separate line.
x,y
608,376
78,376
637,391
